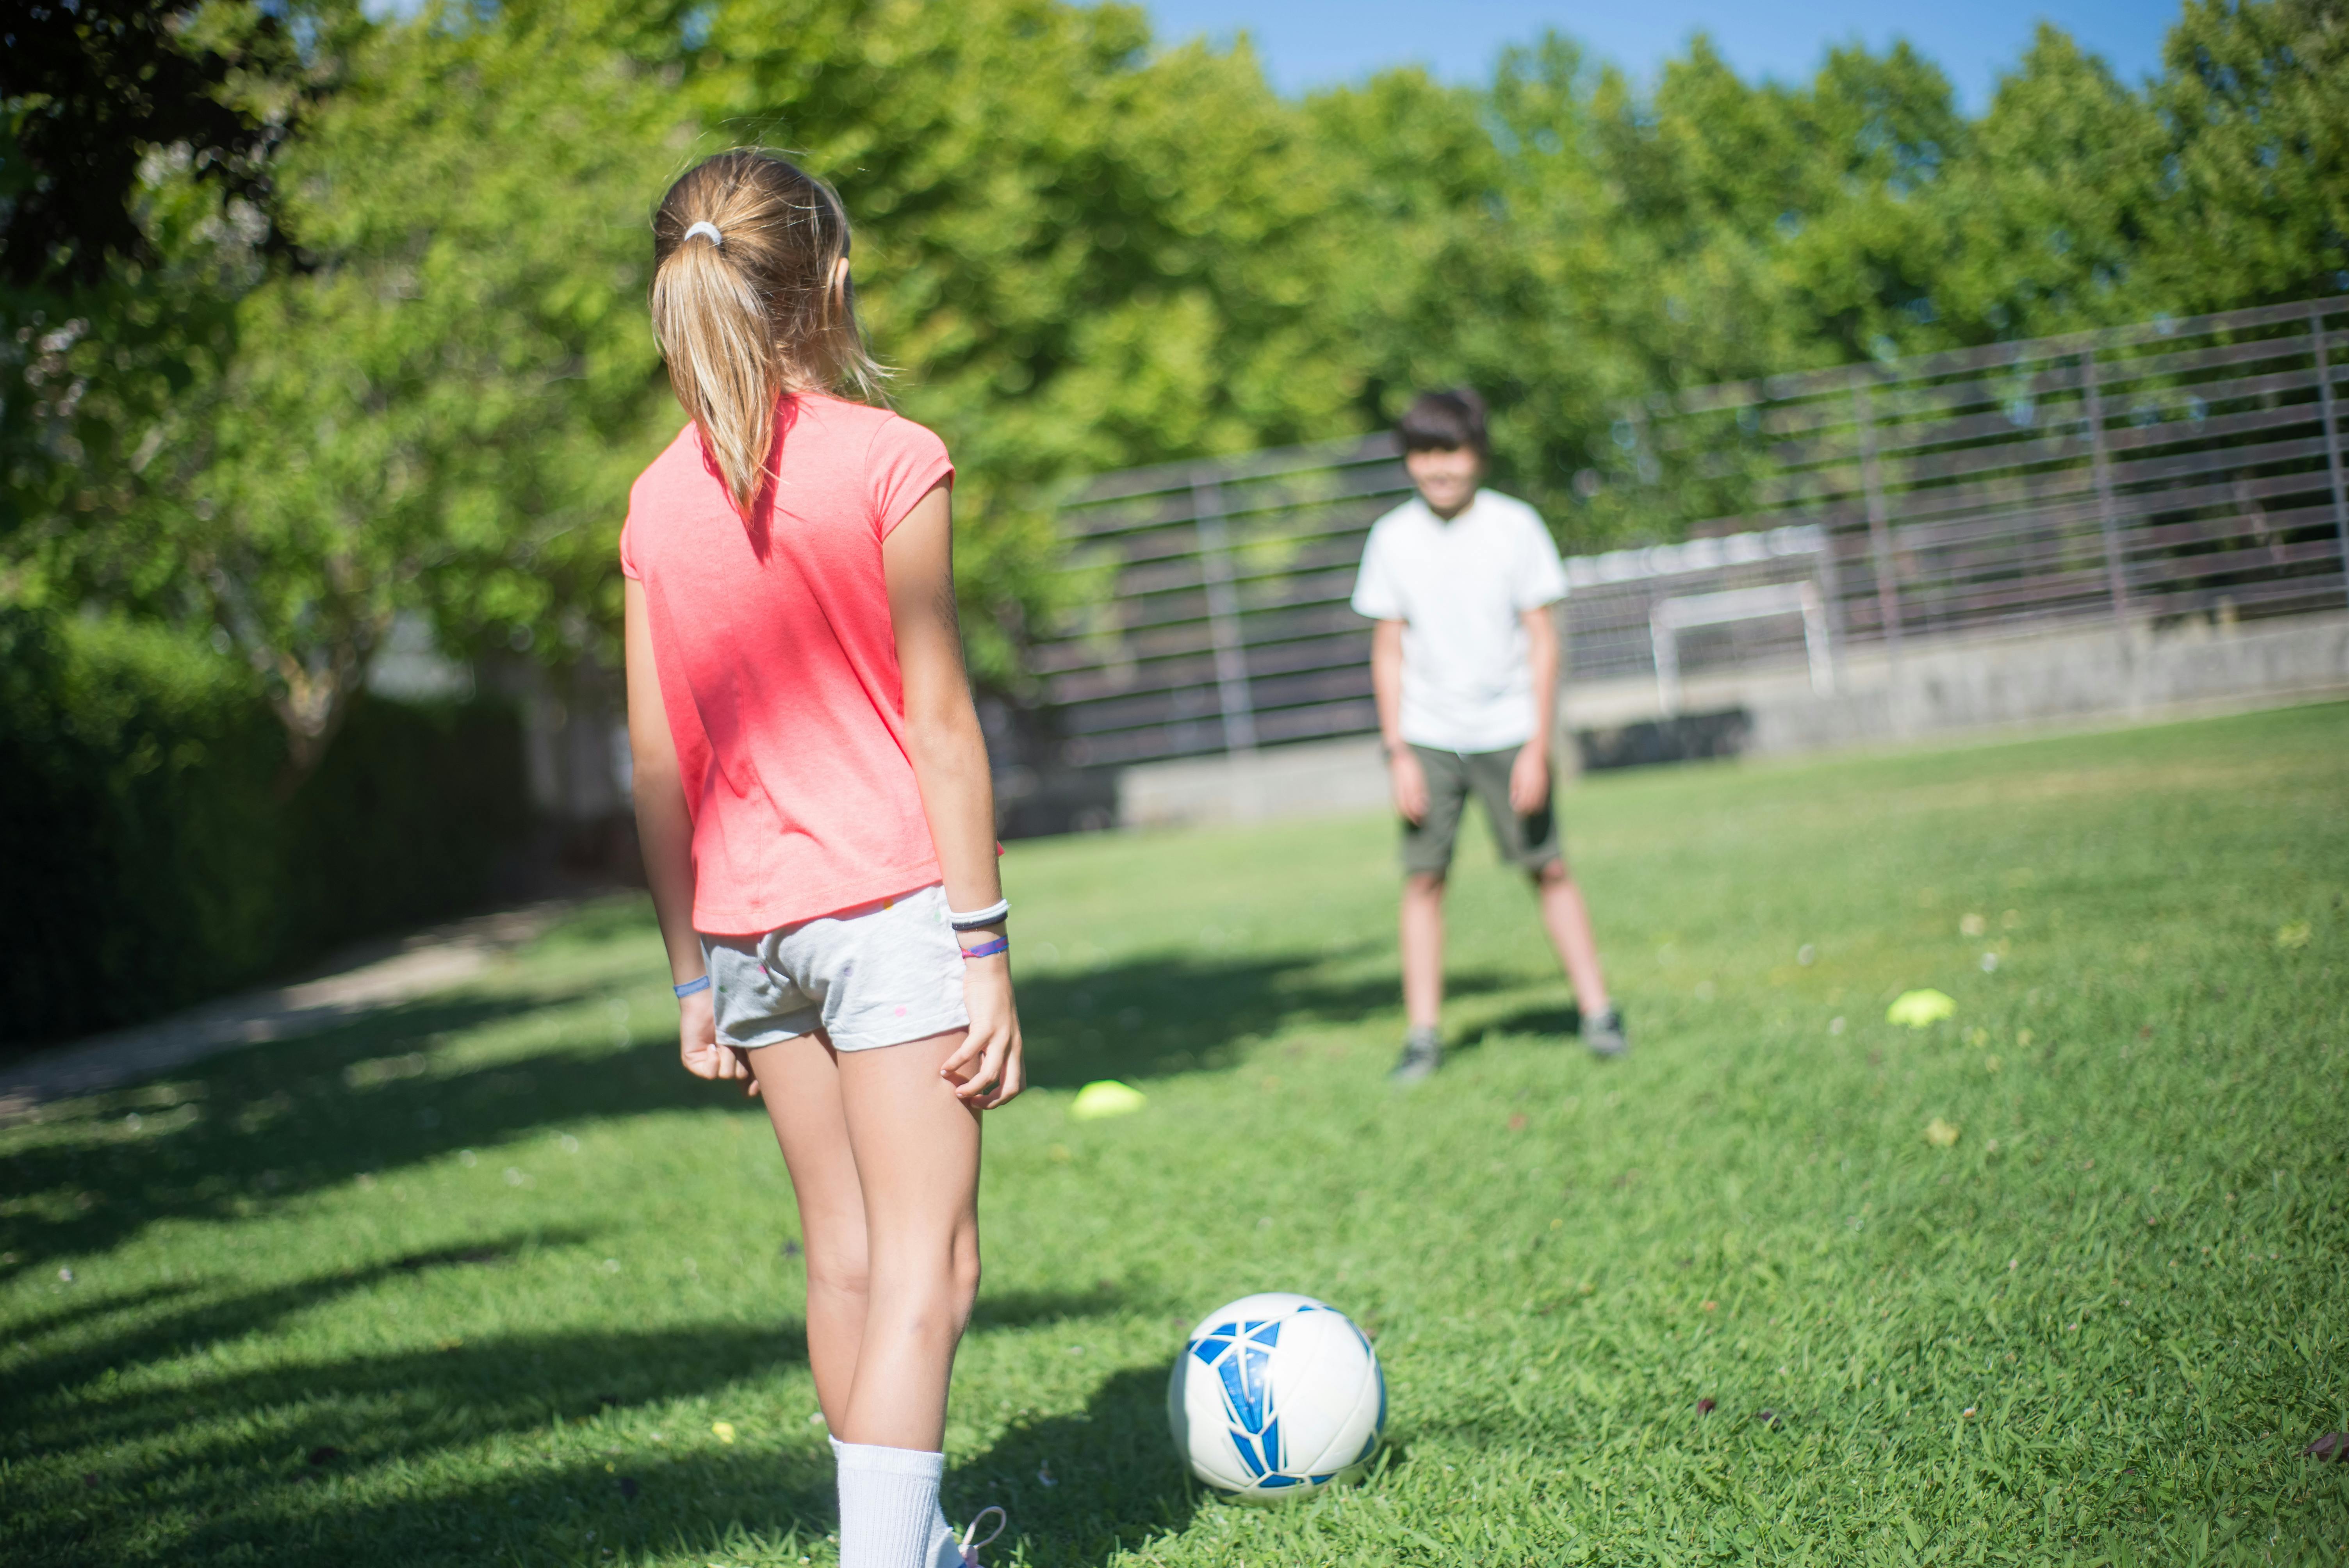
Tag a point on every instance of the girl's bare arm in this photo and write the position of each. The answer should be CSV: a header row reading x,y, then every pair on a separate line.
x,y
949,757
665,831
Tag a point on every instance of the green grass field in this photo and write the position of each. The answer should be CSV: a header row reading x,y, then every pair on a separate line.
x,y
487,1279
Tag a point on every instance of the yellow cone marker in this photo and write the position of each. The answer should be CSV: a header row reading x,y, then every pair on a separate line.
x,y
1920,1009
1106,1096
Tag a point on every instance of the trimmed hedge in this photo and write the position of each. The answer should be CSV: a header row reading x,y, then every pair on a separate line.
x,y
146,861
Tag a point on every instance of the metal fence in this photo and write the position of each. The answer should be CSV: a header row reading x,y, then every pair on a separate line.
x,y
2174,469
1227,626
2171,469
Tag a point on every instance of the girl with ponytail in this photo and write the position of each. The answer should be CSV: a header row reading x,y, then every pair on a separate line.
x,y
813,800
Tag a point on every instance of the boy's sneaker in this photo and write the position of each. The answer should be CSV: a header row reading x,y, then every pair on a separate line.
x,y
1422,1052
1604,1033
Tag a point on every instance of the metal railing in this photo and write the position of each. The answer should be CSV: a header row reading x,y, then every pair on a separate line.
x,y
1227,628
2151,472
2145,473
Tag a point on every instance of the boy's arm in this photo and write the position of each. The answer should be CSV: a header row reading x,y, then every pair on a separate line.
x,y
949,756
1529,774
665,833
1404,771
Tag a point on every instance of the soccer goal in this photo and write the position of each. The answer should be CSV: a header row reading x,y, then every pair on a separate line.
x,y
1670,617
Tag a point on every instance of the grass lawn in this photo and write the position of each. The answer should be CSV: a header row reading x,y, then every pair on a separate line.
x,y
487,1279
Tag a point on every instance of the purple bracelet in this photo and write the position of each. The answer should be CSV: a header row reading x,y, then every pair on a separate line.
x,y
989,948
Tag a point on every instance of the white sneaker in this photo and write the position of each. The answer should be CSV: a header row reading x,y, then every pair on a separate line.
x,y
970,1546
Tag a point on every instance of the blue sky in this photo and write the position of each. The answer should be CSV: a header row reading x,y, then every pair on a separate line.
x,y
1306,44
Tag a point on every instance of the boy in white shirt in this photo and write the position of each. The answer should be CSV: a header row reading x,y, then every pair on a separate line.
x,y
1465,664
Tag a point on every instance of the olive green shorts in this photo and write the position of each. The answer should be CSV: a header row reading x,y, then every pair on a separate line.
x,y
1528,843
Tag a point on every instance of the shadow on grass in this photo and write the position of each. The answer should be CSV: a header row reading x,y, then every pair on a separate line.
x,y
1185,1012
515,1447
469,1452
466,1454
214,1319
259,1125
1544,1022
1079,1488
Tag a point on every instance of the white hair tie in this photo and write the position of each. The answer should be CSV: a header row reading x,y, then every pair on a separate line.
x,y
706,228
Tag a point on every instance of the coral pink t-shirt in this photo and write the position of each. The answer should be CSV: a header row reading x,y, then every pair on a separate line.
x,y
778,665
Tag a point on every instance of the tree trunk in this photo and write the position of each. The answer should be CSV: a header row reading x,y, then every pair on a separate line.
x,y
319,691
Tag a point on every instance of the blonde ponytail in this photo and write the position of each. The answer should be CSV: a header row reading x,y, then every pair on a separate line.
x,y
746,251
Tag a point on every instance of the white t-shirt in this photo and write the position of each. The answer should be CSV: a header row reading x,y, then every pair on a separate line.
x,y
1459,587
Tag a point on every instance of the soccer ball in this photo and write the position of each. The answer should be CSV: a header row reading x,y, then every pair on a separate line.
x,y
1275,1396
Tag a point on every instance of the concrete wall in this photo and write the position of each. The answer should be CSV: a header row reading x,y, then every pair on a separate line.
x,y
2065,679
2070,678
1308,778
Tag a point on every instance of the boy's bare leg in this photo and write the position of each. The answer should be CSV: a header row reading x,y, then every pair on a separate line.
x,y
1567,918
1422,949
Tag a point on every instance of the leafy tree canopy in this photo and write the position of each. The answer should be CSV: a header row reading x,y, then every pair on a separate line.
x,y
1080,250
92,89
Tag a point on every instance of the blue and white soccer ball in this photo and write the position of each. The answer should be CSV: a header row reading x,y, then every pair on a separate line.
x,y
1276,1396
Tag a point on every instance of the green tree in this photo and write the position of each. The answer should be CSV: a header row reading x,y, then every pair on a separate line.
x,y
2048,224
137,202
2254,168
442,412
445,414
1575,248
91,89
1080,256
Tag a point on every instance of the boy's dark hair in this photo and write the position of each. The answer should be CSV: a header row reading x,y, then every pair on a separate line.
x,y
1444,422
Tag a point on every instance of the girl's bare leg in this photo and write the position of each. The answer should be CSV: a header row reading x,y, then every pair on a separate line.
x,y
799,1081
917,1151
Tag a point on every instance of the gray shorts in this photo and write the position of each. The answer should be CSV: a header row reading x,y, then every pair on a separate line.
x,y
879,974
1527,842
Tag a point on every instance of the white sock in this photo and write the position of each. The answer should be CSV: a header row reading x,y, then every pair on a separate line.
x,y
889,1512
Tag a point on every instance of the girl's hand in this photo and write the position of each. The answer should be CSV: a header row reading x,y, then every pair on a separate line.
x,y
696,1041
987,1070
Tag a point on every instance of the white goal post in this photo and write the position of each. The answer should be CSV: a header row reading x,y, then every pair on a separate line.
x,y
1670,617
